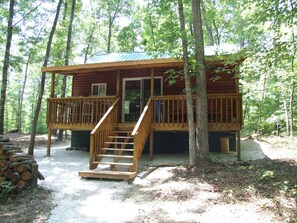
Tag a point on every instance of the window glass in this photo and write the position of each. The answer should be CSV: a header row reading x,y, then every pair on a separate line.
x,y
99,89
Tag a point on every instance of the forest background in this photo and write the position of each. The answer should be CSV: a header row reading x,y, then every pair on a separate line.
x,y
265,29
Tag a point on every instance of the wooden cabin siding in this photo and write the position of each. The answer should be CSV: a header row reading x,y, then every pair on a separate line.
x,y
219,81
82,84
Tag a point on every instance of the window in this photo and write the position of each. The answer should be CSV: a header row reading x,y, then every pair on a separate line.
x,y
99,89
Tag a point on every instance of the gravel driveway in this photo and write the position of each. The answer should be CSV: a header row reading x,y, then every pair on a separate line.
x,y
82,200
86,200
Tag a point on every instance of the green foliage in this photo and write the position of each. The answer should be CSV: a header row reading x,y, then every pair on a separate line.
x,y
6,188
278,175
160,27
127,38
174,76
267,29
269,73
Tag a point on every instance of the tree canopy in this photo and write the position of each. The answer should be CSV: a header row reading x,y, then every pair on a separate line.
x,y
265,29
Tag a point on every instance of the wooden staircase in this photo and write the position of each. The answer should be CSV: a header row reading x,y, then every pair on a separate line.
x,y
115,159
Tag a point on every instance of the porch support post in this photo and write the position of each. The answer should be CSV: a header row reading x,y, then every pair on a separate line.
x,y
118,83
238,145
49,135
152,81
237,78
53,85
151,144
49,141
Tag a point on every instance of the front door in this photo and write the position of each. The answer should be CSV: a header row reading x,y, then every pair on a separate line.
x,y
136,93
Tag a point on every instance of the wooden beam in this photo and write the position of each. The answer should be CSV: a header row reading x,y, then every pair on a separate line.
x,y
152,81
151,144
83,68
238,145
53,85
49,141
237,78
118,83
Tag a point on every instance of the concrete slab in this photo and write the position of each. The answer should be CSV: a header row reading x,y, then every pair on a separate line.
x,y
250,150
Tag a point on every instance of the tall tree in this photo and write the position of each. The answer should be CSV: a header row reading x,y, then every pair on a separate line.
x,y
91,34
30,48
21,95
201,100
6,64
113,9
42,81
192,140
67,56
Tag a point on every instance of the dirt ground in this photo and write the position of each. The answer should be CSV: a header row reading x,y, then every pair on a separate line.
x,y
250,191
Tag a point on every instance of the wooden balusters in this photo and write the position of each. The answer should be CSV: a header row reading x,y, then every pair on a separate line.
x,y
170,111
77,111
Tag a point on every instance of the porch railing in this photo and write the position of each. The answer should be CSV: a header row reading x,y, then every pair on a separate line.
x,y
223,110
77,110
102,130
141,132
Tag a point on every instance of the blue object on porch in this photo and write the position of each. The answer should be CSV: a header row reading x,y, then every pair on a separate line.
x,y
158,112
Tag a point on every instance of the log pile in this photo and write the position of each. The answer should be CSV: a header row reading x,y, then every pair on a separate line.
x,y
17,167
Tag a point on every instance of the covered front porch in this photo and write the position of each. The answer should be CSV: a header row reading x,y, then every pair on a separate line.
x,y
102,116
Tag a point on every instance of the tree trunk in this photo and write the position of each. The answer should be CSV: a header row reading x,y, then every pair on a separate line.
x,y
6,65
22,95
89,42
91,34
68,48
109,35
42,82
293,85
246,107
192,143
261,102
286,113
201,100
152,31
217,33
207,26
291,110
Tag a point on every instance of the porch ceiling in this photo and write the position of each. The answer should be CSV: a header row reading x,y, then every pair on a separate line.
x,y
87,68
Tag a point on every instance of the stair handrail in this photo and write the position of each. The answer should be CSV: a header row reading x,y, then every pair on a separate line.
x,y
102,130
140,132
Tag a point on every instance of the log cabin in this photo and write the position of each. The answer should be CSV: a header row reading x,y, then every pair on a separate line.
x,y
122,105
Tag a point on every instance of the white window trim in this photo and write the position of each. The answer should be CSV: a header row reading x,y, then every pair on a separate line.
x,y
141,90
99,86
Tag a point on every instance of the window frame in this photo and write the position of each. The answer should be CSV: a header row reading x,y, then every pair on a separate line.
x,y
99,86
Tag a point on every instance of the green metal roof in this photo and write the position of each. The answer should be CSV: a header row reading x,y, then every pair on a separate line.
x,y
134,56
121,57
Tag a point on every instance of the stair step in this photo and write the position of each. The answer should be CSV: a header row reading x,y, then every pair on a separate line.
x,y
113,163
117,149
120,137
125,128
118,175
122,132
120,143
114,156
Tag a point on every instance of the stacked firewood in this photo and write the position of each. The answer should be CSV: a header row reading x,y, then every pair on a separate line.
x,y
17,167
